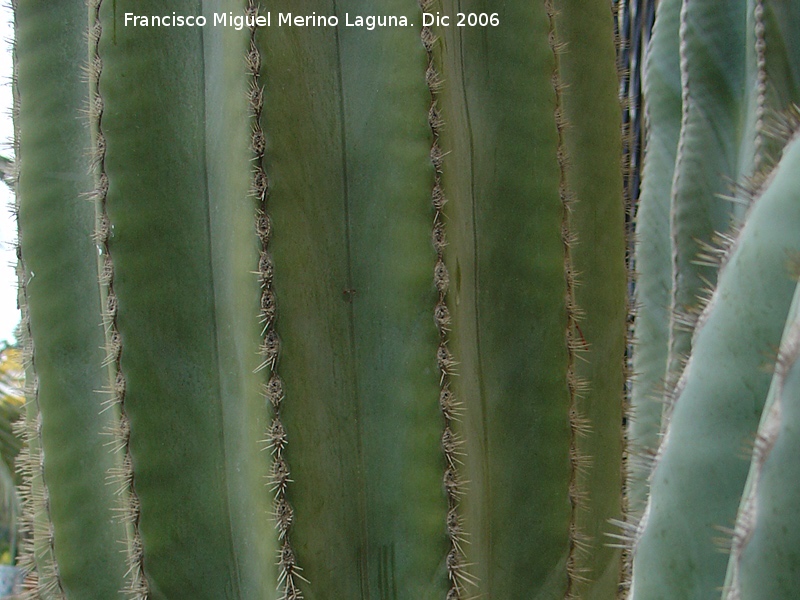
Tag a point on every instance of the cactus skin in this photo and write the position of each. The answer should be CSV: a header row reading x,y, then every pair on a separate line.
x,y
592,143
699,476
350,202
514,397
73,525
352,159
492,229
764,555
662,90
716,416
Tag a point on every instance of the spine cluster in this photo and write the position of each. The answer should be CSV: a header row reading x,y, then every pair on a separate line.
x,y
451,444
121,475
574,340
270,344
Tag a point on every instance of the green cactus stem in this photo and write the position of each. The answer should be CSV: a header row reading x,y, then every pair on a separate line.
x,y
712,79
591,140
773,78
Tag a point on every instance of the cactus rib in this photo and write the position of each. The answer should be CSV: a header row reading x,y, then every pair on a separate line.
x,y
452,445
575,385
62,295
653,264
706,165
121,475
595,249
290,572
177,137
38,554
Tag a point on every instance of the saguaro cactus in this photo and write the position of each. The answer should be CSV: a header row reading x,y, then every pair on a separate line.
x,y
363,299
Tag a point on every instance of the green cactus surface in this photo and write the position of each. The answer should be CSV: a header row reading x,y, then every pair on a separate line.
x,y
764,557
707,162
348,303
662,89
68,379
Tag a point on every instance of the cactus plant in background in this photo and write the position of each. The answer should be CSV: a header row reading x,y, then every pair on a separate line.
x,y
715,402
338,310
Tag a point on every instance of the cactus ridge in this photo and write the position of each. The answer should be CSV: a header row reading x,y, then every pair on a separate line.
x,y
578,540
696,212
42,573
274,392
457,569
25,463
121,475
40,570
653,270
678,319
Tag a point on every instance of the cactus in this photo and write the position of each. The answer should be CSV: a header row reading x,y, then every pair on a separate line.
x,y
339,312
716,400
699,474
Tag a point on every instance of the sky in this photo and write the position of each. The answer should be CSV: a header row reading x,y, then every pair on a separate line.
x,y
9,315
